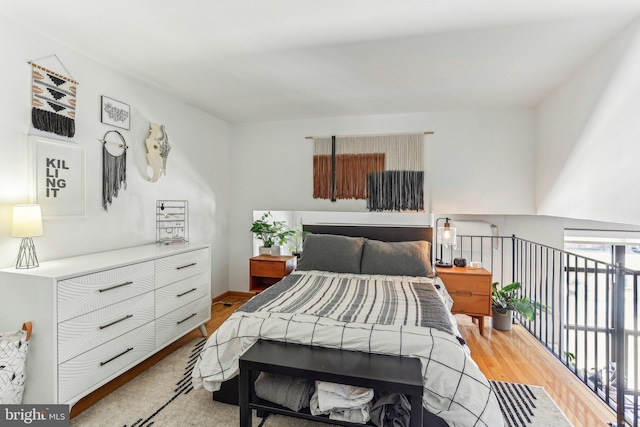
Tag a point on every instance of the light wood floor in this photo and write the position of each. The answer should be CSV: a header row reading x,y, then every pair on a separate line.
x,y
505,356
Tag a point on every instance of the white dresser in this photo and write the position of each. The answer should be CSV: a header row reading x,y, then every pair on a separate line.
x,y
96,316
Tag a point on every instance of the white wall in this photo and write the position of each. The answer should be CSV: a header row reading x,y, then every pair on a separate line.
x,y
588,133
489,169
197,167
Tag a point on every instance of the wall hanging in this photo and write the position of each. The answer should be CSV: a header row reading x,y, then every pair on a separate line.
x,y
385,170
53,100
114,166
158,148
172,221
58,173
115,113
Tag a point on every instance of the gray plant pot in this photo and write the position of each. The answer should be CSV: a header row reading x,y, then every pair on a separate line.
x,y
502,322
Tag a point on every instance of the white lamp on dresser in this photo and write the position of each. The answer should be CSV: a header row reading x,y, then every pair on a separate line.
x,y
27,223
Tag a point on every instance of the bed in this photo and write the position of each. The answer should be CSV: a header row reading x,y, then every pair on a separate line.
x,y
367,289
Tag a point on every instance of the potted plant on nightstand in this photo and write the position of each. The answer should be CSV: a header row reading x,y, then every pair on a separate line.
x,y
297,239
505,301
270,232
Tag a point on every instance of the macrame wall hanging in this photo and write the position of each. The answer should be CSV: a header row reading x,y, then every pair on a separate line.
x,y
385,170
114,166
53,100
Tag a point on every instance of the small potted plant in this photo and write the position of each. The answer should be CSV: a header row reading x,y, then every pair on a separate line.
x,y
297,239
505,301
271,232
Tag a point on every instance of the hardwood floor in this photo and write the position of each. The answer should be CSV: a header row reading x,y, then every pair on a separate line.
x,y
506,356
516,356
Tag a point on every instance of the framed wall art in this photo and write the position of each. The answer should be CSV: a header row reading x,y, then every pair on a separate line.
x,y
115,113
58,177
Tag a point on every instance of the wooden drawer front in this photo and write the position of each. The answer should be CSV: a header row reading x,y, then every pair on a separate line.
x,y
464,302
85,294
477,285
85,372
177,294
177,267
180,321
85,332
268,269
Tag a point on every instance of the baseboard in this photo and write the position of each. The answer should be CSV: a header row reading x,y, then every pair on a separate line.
x,y
232,294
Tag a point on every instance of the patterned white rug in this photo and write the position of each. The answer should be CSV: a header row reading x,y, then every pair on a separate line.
x,y
163,396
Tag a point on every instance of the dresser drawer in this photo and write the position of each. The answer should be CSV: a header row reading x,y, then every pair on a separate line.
x,y
175,295
464,302
83,373
177,267
175,324
83,294
85,332
477,285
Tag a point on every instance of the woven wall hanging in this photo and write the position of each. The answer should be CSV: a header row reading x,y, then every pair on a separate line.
x,y
53,100
114,168
385,170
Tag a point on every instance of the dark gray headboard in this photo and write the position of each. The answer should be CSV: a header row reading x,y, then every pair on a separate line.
x,y
374,232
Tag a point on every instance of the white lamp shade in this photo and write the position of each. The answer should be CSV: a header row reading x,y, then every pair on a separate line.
x,y
27,221
447,236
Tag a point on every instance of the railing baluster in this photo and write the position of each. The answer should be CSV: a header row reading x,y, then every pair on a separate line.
x,y
586,321
595,321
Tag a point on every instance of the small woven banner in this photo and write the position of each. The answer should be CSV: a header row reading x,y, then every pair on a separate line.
x,y
53,102
13,356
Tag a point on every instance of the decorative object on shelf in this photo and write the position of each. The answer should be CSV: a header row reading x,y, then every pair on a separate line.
x,y
114,167
27,223
115,113
271,232
460,262
172,221
505,301
53,101
446,237
297,239
59,174
158,148
385,170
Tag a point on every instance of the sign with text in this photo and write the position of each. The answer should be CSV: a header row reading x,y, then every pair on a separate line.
x,y
34,415
59,177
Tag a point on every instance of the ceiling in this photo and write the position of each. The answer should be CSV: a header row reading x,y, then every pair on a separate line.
x,y
256,60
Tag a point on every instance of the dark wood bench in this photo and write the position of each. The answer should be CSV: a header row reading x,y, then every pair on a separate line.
x,y
380,372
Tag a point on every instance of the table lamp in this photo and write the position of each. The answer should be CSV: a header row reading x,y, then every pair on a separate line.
x,y
447,237
27,223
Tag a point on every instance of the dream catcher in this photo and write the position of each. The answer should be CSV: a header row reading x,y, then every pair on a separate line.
x,y
114,166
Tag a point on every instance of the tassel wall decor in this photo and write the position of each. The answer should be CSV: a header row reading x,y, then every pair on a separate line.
x,y
114,170
386,170
53,101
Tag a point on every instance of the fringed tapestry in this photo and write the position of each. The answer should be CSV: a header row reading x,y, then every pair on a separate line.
x,y
114,169
53,102
385,170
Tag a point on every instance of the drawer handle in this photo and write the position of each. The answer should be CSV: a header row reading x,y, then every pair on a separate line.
x,y
185,266
184,320
187,292
115,357
464,294
116,286
116,321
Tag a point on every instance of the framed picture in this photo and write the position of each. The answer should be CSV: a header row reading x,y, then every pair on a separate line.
x,y
115,113
58,177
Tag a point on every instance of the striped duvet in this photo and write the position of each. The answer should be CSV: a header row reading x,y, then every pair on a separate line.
x,y
395,315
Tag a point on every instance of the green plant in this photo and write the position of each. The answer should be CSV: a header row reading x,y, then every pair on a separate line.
x,y
506,298
271,232
297,238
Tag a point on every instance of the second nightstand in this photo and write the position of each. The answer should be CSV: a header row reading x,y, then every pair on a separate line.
x,y
265,270
470,290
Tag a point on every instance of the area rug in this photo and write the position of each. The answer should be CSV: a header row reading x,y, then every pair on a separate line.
x,y
163,396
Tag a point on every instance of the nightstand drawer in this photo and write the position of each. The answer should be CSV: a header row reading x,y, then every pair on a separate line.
x,y
476,285
465,302
268,269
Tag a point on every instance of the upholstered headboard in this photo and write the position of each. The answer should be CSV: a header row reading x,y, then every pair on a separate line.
x,y
383,232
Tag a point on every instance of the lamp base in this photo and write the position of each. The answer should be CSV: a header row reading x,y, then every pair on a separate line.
x,y
443,265
27,254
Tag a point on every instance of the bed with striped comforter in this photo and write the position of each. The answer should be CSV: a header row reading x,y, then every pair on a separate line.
x,y
396,315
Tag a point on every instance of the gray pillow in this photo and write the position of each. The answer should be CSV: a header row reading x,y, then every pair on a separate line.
x,y
397,258
327,252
